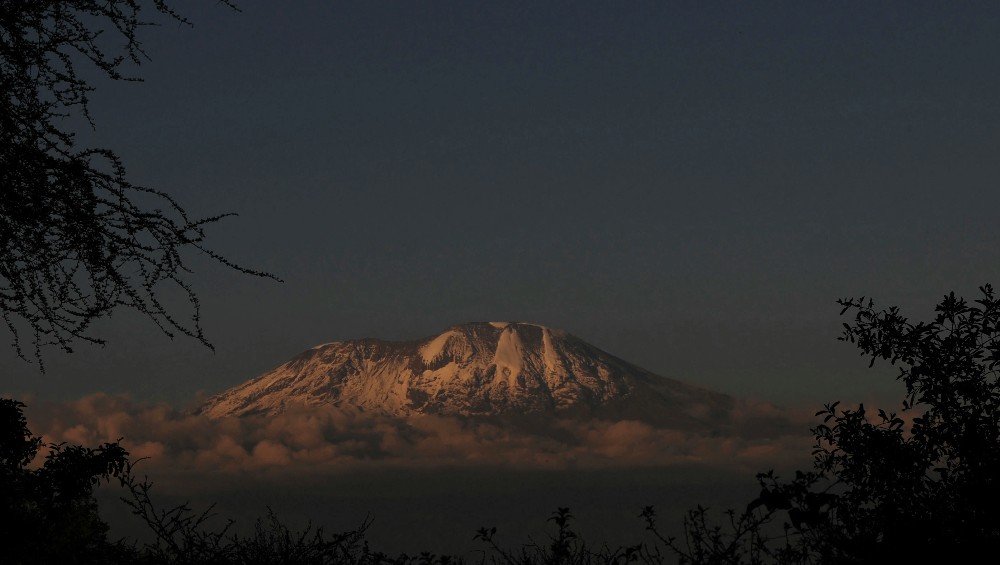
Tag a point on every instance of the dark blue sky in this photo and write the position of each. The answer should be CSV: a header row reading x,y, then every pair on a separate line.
x,y
689,186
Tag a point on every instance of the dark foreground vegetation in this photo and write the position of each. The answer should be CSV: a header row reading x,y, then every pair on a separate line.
x,y
920,486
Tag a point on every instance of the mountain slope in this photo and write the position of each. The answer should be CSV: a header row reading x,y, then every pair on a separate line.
x,y
477,369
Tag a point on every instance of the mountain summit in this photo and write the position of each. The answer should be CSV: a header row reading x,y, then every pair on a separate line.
x,y
476,369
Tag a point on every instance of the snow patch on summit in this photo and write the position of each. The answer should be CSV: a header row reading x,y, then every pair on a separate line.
x,y
433,349
509,354
475,369
551,331
549,356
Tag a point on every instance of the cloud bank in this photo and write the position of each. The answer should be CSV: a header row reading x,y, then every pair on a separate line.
x,y
757,437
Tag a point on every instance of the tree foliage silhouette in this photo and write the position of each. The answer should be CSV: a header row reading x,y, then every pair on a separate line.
x,y
914,486
77,239
48,512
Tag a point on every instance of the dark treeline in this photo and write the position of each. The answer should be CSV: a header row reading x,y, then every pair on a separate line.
x,y
919,486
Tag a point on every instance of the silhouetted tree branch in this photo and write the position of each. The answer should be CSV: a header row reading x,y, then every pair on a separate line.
x,y
883,490
77,239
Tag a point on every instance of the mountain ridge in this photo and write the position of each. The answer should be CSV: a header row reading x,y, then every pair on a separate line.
x,y
478,369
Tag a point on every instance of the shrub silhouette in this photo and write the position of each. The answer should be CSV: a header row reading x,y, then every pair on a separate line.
x,y
49,512
882,490
564,548
184,535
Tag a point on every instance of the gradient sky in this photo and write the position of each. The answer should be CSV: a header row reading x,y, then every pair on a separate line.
x,y
689,186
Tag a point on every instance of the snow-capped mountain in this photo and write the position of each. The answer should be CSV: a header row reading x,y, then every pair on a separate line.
x,y
476,369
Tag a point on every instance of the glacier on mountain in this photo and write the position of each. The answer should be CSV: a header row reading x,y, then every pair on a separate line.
x,y
482,369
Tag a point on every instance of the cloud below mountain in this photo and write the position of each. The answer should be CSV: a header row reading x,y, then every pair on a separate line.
x,y
334,467
324,439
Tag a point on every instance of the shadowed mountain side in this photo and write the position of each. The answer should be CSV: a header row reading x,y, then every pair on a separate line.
x,y
485,369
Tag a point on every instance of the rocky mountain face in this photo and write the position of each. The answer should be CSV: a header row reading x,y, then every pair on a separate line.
x,y
486,369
